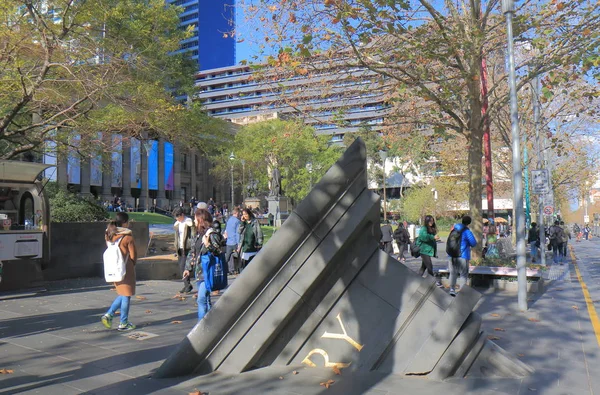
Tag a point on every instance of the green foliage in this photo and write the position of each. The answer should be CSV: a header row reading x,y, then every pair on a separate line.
x,y
286,145
94,66
69,207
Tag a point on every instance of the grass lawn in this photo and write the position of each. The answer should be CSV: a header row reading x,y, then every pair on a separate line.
x,y
267,232
151,218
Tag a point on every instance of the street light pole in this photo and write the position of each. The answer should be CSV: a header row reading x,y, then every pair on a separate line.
x,y
508,10
148,147
309,168
383,156
231,159
540,165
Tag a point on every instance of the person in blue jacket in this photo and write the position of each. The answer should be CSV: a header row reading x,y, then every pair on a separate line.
x,y
460,266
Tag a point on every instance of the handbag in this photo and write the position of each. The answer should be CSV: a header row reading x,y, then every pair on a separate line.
x,y
415,249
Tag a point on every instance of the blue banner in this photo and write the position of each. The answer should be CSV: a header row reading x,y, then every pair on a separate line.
x,y
74,162
169,171
116,160
136,163
153,166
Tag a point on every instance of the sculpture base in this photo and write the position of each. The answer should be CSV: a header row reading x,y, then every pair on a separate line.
x,y
278,206
252,203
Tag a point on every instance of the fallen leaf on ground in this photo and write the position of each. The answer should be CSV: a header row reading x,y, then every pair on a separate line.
x,y
492,337
575,307
337,370
534,320
148,311
176,322
500,329
280,377
176,296
6,371
182,298
118,313
520,355
495,315
295,372
138,297
327,383
198,393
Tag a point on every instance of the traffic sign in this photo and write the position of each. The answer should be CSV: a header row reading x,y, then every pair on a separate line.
x,y
548,210
540,181
586,219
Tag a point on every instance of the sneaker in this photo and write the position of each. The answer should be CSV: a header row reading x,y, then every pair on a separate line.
x,y
439,284
452,292
126,327
106,321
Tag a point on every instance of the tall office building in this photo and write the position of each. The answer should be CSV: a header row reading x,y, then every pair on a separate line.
x,y
211,44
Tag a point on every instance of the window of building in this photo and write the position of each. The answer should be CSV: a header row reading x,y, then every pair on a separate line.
x,y
184,162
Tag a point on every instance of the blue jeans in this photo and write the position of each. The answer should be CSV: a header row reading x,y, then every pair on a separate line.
x,y
534,250
557,256
204,303
120,303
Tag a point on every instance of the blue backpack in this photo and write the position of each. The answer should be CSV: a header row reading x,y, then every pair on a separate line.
x,y
215,271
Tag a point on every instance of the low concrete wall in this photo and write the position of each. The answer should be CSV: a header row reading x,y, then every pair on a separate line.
x,y
76,248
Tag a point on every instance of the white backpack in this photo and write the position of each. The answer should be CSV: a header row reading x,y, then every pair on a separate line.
x,y
114,262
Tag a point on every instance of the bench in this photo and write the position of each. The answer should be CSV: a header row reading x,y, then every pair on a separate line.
x,y
492,277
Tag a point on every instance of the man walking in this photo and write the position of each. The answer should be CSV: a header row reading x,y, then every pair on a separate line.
x,y
402,240
534,241
386,237
556,235
184,232
233,238
565,239
459,266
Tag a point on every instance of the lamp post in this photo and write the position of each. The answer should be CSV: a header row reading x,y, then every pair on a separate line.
x,y
586,196
231,159
383,155
309,168
243,177
508,11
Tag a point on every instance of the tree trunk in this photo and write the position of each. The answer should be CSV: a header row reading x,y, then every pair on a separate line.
x,y
475,138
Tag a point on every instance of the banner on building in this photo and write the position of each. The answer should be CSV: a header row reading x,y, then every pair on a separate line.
x,y
116,162
136,163
153,166
50,159
74,162
96,164
169,171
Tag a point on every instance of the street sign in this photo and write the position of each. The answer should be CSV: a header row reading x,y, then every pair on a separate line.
x,y
586,219
548,210
540,181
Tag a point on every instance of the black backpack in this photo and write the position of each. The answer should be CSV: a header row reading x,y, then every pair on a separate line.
x,y
453,243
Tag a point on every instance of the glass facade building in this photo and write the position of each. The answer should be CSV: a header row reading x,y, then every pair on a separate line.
x,y
211,44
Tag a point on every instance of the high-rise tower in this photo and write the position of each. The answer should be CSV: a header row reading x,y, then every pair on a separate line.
x,y
211,44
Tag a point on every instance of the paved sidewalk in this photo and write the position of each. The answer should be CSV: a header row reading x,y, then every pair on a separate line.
x,y
54,343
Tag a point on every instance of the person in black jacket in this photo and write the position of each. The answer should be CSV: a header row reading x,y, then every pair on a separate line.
x,y
386,237
402,239
534,241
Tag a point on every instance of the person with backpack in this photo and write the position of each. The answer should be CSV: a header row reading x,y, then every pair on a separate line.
x,y
427,242
208,260
402,239
118,233
565,239
251,237
458,247
556,235
533,238
387,237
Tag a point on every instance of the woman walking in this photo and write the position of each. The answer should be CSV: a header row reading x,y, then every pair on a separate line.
x,y
251,237
199,248
117,231
427,240
402,240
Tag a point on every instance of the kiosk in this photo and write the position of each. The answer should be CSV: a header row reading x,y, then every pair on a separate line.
x,y
24,230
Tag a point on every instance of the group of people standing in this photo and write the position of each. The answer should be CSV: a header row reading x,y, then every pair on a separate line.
x,y
243,238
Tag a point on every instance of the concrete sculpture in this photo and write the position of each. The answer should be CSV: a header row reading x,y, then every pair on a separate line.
x,y
322,293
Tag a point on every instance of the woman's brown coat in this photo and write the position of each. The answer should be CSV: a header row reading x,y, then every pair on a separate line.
x,y
127,247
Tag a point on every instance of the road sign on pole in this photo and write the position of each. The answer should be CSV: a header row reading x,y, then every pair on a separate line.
x,y
540,181
548,210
